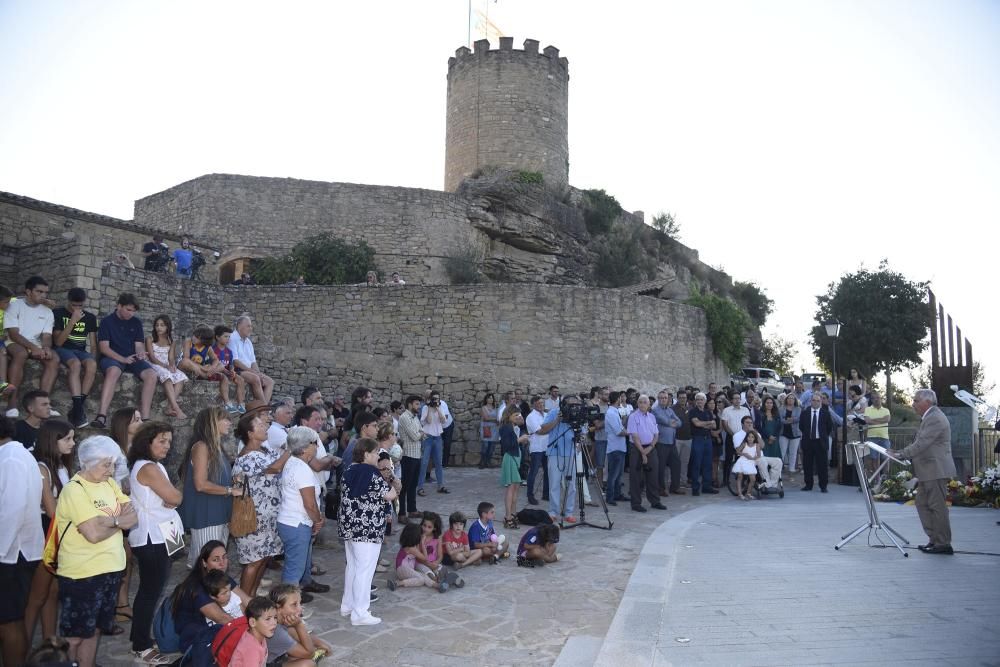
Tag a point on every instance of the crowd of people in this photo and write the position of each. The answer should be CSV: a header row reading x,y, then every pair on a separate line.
x,y
80,518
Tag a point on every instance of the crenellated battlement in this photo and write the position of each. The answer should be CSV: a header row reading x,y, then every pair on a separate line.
x,y
530,53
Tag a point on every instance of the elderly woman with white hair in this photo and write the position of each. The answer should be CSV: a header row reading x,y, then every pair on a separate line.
x,y
299,517
245,360
91,513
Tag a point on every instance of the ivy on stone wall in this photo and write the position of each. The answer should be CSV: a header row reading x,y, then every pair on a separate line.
x,y
727,325
600,210
321,260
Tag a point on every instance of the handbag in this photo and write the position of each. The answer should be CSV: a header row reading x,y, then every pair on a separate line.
x,y
173,534
244,518
332,504
50,553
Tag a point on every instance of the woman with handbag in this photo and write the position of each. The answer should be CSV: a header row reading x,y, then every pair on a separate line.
x,y
208,482
91,513
489,429
156,534
362,527
257,506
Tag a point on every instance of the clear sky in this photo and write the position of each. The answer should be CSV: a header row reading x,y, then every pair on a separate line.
x,y
794,140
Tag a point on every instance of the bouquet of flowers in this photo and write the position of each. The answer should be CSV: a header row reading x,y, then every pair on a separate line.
x,y
985,486
897,488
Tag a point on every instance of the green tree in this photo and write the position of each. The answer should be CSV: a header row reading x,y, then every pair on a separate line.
x,y
600,210
666,223
727,326
321,260
754,299
621,260
777,354
884,320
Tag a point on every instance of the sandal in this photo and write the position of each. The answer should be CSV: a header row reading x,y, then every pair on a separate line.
x,y
508,522
420,492
100,421
116,630
443,490
121,616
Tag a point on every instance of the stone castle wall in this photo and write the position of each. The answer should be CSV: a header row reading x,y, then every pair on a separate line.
x,y
467,341
507,108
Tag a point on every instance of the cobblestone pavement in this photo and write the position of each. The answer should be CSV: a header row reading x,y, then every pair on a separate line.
x,y
746,583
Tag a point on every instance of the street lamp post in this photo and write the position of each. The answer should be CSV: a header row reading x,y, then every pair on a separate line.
x,y
833,331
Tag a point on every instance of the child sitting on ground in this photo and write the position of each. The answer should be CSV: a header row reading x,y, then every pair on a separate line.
x,y
228,373
538,546
262,621
412,565
430,528
292,645
483,536
456,544
219,589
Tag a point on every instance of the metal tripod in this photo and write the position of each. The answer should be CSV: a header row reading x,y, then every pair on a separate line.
x,y
581,479
873,525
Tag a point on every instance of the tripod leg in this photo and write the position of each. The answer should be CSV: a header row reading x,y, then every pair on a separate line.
x,y
850,536
889,529
892,537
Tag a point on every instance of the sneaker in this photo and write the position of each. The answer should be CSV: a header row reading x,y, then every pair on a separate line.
x,y
381,569
345,613
454,580
81,420
232,408
570,520
12,413
242,409
374,588
443,587
367,620
373,598
55,413
391,584
151,656
307,613
306,598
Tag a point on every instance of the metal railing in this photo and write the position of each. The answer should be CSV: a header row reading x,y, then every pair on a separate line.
x,y
983,444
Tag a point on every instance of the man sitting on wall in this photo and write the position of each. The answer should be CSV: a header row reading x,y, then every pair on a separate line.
x,y
245,360
28,324
121,342
73,328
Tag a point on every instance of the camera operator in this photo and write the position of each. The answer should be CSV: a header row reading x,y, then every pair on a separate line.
x,y
644,463
155,254
562,465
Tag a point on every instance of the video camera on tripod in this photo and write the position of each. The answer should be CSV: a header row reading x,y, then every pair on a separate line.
x,y
158,258
579,415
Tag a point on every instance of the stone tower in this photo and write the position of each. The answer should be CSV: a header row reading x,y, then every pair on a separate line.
x,y
507,108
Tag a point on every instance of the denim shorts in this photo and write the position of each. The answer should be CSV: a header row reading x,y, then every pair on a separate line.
x,y
66,356
87,605
135,368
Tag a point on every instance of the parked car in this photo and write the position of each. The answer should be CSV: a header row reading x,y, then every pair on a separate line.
x,y
809,378
766,379
789,380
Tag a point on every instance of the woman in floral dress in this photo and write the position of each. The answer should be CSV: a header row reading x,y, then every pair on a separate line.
x,y
260,469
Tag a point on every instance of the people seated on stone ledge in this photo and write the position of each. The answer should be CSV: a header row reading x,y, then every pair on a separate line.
x,y
161,352
28,325
73,330
228,374
245,360
199,357
122,344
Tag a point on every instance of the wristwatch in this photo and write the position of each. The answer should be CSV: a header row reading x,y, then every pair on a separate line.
x,y
115,519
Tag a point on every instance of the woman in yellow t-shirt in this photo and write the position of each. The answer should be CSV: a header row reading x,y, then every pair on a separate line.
x,y
90,515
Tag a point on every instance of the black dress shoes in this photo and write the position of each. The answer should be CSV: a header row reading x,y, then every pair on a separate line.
x,y
640,508
806,488
940,549
659,506
925,547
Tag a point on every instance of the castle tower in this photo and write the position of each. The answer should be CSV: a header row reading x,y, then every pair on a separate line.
x,y
507,108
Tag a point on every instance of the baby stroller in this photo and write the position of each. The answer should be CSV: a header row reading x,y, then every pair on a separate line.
x,y
760,487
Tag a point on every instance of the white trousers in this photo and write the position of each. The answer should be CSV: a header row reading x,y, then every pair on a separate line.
x,y
362,558
770,469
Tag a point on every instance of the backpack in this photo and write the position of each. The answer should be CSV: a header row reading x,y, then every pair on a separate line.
x,y
164,631
530,517
229,635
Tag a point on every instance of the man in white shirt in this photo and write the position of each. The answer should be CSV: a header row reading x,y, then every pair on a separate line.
x,y
553,399
21,539
768,466
732,418
433,417
277,432
28,323
538,443
245,360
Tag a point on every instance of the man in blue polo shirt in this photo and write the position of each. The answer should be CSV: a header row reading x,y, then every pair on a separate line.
x,y
182,259
562,466
120,340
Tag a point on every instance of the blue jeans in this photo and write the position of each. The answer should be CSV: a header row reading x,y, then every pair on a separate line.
x,y
701,463
298,544
432,445
562,470
616,466
486,452
538,463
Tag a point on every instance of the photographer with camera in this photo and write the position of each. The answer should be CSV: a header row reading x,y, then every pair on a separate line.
x,y
561,452
644,463
155,254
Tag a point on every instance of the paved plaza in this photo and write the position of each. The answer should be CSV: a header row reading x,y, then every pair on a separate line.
x,y
712,581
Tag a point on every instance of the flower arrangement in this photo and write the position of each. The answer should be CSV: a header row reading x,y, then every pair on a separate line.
x,y
985,486
897,488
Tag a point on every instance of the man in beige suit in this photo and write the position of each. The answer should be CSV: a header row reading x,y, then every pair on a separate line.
x,y
930,453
